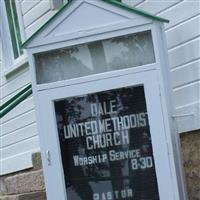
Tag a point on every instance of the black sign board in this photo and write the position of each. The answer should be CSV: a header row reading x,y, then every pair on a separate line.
x,y
106,146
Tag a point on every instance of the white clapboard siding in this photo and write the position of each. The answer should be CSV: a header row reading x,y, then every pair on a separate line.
x,y
190,122
133,2
17,162
183,32
28,5
36,12
37,24
185,53
181,12
19,147
8,97
22,134
18,132
13,86
6,79
185,74
35,15
187,94
156,6
17,155
18,135
17,123
24,107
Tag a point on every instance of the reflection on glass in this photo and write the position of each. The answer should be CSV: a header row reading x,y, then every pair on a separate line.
x,y
106,146
96,57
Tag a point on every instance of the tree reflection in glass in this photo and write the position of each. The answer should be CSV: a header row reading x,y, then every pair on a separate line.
x,y
110,178
94,58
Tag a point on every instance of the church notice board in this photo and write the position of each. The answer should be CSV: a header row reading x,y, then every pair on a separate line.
x,y
105,145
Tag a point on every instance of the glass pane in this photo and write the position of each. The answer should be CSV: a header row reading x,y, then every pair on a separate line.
x,y
106,148
96,57
14,27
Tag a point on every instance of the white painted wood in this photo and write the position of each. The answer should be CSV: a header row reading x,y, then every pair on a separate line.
x,y
188,123
22,108
15,84
184,32
21,22
156,6
187,94
5,99
84,12
15,158
158,47
133,2
96,34
114,17
17,162
18,148
6,79
36,12
22,134
17,123
18,65
6,42
181,12
167,102
185,53
185,74
27,5
16,152
34,26
160,153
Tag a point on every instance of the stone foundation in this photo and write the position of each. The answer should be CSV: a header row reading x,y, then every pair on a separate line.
x,y
29,184
190,143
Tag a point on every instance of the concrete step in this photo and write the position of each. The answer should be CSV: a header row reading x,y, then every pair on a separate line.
x,y
25,182
29,196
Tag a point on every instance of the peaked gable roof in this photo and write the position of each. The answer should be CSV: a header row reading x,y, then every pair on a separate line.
x,y
116,3
135,10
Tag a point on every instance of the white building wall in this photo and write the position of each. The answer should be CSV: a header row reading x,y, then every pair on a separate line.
x,y
35,13
18,132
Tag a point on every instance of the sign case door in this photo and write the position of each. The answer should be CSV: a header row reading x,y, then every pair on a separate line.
x,y
110,140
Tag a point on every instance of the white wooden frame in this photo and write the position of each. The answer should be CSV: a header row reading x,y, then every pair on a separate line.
x,y
55,184
155,75
72,42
